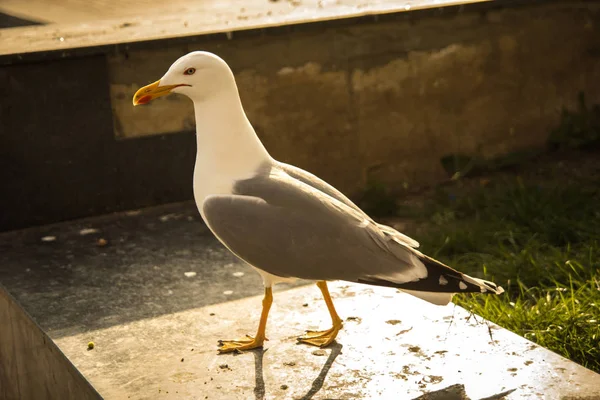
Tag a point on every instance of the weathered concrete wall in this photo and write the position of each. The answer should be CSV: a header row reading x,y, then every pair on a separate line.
x,y
392,97
387,96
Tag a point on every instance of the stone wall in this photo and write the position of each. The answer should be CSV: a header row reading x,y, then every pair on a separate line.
x,y
384,97
389,99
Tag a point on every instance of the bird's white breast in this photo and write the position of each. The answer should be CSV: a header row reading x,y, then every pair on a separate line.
x,y
206,184
213,177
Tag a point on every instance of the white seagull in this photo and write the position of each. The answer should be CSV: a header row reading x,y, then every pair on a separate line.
x,y
282,220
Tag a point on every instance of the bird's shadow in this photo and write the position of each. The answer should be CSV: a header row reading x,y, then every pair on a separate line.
x,y
259,388
457,392
453,392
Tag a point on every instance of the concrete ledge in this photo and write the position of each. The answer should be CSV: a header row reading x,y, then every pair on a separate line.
x,y
31,365
99,26
392,345
155,327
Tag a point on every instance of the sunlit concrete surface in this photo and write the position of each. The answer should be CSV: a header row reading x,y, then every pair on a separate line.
x,y
154,292
393,346
75,24
78,11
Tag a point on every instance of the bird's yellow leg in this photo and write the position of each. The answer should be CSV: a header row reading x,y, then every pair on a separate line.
x,y
324,338
228,346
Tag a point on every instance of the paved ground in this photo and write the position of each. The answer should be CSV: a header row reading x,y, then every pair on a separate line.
x,y
154,291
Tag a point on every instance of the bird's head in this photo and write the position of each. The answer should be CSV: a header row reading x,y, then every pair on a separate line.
x,y
197,75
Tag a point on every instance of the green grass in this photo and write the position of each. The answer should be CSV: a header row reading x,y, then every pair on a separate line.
x,y
541,243
377,200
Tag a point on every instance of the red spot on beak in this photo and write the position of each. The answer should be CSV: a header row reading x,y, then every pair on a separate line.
x,y
144,99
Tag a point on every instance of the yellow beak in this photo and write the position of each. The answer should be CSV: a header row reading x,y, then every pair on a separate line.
x,y
152,91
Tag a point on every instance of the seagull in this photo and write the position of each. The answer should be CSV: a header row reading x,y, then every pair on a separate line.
x,y
284,221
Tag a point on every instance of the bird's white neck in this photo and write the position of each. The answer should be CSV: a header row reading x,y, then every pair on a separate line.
x,y
228,147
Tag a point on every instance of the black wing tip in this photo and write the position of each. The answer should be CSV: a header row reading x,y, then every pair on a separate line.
x,y
440,279
482,285
457,281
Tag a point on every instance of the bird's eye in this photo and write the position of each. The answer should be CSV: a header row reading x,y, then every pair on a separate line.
x,y
189,71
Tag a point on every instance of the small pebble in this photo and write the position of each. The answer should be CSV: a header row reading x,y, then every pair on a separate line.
x,y
305,305
212,314
224,366
87,231
182,360
319,353
48,238
102,242
238,274
284,387
190,274
289,363
91,345
168,217
228,292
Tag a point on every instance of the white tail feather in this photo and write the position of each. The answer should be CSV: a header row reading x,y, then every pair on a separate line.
x,y
440,299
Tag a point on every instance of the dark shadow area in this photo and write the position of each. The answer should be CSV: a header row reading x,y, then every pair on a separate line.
x,y
457,392
453,392
10,21
499,396
63,156
259,387
31,364
105,271
336,350
317,384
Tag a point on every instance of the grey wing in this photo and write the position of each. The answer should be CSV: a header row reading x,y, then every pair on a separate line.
x,y
290,229
321,185
317,183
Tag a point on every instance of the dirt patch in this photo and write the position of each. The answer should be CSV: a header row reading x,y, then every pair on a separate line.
x,y
393,322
